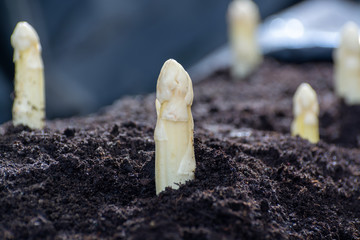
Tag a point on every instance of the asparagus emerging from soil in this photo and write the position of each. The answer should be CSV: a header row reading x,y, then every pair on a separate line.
x,y
347,65
174,141
243,20
29,102
306,112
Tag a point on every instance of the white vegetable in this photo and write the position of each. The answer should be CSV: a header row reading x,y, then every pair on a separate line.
x,y
306,112
29,102
347,65
243,21
174,141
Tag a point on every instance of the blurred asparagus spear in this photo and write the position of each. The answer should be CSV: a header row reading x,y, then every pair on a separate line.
x,y
347,65
306,112
243,21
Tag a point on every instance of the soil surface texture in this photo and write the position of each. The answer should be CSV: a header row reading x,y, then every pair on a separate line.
x,y
93,177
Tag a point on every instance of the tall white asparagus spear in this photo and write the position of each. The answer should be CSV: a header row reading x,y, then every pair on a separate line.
x,y
306,112
29,103
243,21
347,65
174,141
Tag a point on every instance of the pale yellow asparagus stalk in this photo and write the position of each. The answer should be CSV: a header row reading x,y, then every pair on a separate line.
x,y
243,20
306,112
174,141
29,103
347,65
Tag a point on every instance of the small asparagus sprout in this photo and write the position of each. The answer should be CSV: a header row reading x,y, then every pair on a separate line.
x,y
347,65
306,112
29,102
174,141
243,20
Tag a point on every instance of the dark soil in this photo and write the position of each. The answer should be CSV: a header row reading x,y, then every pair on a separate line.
x,y
264,101
93,177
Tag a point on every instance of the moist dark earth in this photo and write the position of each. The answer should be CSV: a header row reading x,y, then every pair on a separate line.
x,y
93,177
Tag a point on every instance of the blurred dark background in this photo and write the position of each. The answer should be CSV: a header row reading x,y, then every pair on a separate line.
x,y
97,51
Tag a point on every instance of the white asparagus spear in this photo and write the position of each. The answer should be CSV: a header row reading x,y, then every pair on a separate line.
x,y
347,65
174,141
29,103
243,21
306,112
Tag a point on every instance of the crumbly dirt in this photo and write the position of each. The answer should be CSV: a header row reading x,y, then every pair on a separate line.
x,y
93,177
264,101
